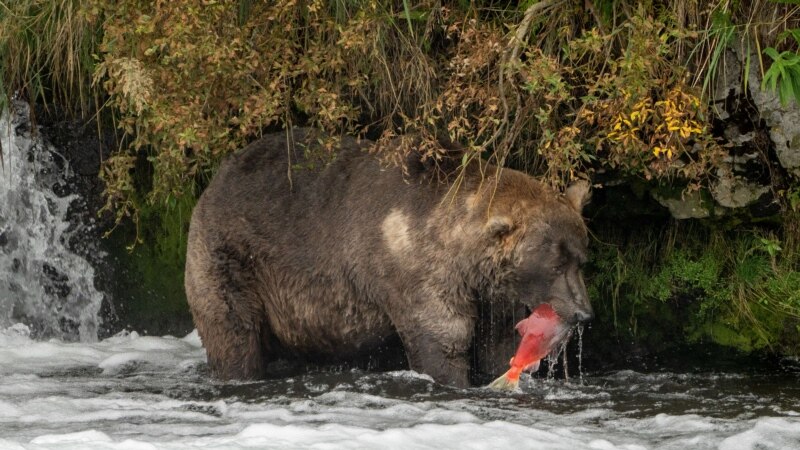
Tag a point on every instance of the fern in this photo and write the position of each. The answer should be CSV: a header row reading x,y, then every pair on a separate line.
x,y
783,76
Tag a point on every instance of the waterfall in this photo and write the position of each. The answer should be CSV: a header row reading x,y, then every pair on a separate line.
x,y
44,283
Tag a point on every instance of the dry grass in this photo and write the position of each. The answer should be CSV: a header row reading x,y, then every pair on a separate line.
x,y
46,51
540,85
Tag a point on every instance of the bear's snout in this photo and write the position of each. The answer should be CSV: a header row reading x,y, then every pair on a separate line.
x,y
583,315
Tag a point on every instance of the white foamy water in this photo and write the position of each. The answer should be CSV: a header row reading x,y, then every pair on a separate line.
x,y
131,392
42,282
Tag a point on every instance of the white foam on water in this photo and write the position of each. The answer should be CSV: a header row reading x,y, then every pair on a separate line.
x,y
390,414
131,391
411,375
335,436
81,437
21,355
772,432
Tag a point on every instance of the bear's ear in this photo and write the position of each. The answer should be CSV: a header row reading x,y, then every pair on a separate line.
x,y
578,195
498,227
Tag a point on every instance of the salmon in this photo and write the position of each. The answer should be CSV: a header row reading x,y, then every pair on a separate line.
x,y
540,332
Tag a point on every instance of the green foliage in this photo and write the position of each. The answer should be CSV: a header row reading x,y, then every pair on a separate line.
x,y
793,198
720,34
148,294
740,289
561,89
191,83
783,76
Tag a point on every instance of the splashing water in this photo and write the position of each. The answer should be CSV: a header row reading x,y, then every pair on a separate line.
x,y
559,354
131,391
553,357
580,353
43,283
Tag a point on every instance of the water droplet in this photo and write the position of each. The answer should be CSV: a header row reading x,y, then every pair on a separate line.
x,y
580,353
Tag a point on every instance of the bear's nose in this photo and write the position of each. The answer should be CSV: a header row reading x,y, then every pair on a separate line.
x,y
584,316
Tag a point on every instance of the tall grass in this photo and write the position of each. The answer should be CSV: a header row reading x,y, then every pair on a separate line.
x,y
46,49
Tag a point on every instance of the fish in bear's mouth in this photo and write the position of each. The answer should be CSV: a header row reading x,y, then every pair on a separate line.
x,y
541,333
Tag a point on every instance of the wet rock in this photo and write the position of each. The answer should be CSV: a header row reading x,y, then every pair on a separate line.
x,y
733,191
81,141
765,206
761,135
728,85
782,121
690,205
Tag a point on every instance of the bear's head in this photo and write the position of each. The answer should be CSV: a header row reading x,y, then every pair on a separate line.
x,y
537,243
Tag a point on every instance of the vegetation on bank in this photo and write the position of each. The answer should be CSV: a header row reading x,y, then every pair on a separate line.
x,y
737,288
610,90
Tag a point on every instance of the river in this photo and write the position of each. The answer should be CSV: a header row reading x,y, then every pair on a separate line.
x,y
132,391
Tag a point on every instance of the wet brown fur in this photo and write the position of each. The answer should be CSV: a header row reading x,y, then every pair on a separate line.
x,y
338,259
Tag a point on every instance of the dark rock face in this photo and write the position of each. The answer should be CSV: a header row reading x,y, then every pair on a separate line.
x,y
142,287
331,263
763,141
78,152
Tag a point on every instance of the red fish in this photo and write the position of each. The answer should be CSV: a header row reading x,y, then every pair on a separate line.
x,y
540,331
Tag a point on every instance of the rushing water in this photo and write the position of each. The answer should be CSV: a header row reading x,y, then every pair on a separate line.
x,y
43,281
133,391
60,388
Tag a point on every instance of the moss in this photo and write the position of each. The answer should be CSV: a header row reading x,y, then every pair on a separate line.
x,y
728,337
149,294
694,284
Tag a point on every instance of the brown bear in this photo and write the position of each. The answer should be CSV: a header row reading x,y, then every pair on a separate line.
x,y
335,260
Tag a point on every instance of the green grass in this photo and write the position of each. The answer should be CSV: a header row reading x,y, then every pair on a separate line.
x,y
739,289
46,50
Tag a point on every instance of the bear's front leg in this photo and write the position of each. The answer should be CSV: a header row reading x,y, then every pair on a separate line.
x,y
436,340
443,362
496,338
